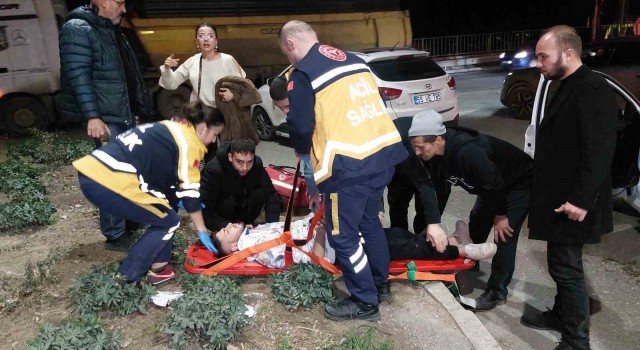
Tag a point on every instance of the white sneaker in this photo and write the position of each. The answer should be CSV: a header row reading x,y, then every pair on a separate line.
x,y
462,232
484,251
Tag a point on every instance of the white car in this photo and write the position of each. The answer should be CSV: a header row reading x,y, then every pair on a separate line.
x,y
409,81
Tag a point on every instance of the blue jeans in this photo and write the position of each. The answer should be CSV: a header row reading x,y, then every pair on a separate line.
x,y
112,226
309,179
480,224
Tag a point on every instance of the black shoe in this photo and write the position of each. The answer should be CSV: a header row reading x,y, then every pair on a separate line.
x,y
488,300
348,309
120,244
547,320
384,292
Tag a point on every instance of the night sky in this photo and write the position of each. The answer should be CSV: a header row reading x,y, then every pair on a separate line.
x,y
452,17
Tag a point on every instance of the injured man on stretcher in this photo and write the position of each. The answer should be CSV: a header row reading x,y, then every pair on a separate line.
x,y
402,243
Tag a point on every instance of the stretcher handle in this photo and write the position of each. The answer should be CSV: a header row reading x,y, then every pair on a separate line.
x,y
287,218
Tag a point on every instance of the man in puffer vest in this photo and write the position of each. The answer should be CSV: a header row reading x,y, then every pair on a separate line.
x,y
102,86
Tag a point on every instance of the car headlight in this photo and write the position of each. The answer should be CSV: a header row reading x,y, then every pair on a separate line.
x,y
501,55
521,54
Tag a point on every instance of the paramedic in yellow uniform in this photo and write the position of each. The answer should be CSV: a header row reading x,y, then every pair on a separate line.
x,y
337,118
132,175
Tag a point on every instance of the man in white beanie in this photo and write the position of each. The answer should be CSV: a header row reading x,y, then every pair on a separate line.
x,y
497,172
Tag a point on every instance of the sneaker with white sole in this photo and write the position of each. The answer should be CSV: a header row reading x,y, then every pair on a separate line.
x,y
484,251
161,276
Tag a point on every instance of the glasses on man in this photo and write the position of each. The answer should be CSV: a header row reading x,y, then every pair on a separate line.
x,y
203,36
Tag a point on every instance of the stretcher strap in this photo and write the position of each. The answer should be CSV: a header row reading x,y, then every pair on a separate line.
x,y
230,260
412,275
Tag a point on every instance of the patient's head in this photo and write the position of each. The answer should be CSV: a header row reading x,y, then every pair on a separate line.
x,y
227,238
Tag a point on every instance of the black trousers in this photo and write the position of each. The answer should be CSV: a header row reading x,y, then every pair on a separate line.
x,y
405,245
399,193
572,299
480,225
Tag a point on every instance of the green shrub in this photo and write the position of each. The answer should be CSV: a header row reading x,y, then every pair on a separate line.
x,y
75,149
302,285
14,167
103,290
23,214
48,148
211,311
80,333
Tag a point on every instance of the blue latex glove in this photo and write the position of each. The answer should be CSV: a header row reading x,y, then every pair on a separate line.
x,y
207,242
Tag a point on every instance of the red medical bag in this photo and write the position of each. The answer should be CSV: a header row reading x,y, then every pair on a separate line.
x,y
282,179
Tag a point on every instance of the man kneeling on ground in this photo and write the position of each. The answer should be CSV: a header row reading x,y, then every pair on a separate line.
x,y
235,188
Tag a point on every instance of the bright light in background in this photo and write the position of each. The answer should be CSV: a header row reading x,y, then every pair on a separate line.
x,y
502,55
521,54
146,32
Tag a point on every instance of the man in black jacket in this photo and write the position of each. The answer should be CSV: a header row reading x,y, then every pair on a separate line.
x,y
412,178
494,170
235,188
575,137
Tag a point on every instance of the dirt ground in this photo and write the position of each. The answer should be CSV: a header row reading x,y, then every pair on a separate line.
x,y
75,240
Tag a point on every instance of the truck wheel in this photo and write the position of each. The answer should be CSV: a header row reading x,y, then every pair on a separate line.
x,y
170,102
20,113
263,124
520,100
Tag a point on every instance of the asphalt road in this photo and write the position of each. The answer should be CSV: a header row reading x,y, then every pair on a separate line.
x,y
612,267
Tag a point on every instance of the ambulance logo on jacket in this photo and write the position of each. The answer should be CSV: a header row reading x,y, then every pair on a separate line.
x,y
332,53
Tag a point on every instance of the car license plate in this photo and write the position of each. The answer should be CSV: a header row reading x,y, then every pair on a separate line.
x,y
427,98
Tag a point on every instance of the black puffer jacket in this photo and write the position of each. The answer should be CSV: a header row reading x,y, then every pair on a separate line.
x,y
485,166
92,75
220,182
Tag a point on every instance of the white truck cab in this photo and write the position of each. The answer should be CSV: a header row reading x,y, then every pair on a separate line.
x,y
29,63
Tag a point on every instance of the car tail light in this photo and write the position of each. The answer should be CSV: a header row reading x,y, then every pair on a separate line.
x,y
389,94
452,83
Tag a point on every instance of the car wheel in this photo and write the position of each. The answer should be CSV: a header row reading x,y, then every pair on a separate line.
x,y
520,100
20,113
263,124
170,102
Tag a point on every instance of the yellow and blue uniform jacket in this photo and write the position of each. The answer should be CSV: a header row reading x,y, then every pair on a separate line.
x,y
143,163
338,117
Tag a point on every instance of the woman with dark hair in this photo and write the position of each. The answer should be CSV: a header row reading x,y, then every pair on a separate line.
x,y
132,175
218,81
203,69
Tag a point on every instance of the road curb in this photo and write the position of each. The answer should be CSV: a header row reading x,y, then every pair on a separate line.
x,y
473,329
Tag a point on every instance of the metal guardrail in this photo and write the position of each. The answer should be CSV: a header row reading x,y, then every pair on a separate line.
x,y
502,41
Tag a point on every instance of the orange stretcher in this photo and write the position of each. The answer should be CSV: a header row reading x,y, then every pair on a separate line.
x,y
200,260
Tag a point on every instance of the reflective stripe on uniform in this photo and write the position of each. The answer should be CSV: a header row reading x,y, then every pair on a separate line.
x,y
354,151
319,81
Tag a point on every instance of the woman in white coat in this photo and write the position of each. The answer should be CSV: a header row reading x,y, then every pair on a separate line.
x,y
203,69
